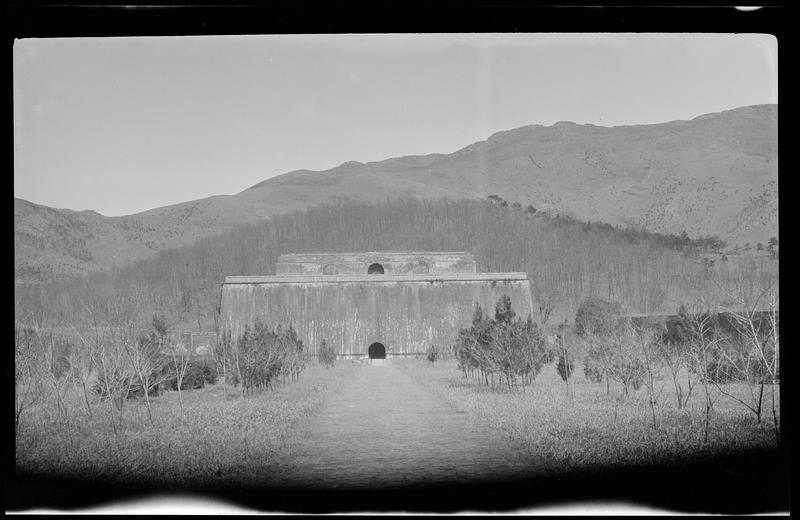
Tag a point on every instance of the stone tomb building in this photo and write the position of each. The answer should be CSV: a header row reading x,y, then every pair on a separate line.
x,y
371,305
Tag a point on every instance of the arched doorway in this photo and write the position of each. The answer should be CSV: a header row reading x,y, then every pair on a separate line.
x,y
377,351
375,269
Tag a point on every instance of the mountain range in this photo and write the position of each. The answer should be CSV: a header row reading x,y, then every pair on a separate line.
x,y
716,174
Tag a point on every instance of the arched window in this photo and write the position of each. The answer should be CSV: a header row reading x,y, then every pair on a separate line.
x,y
375,269
421,268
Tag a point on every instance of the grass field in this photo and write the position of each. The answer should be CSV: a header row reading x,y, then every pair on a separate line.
x,y
593,431
224,438
220,438
244,446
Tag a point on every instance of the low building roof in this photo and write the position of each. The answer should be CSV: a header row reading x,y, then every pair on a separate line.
x,y
376,278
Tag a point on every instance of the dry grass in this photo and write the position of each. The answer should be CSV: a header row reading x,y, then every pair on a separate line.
x,y
224,439
595,432
220,438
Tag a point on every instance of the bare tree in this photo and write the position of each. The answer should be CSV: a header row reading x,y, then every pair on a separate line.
x,y
598,322
627,366
113,328
221,352
179,356
56,364
81,360
548,296
756,355
675,358
566,359
45,345
29,387
647,341
145,358
674,353
703,346
326,354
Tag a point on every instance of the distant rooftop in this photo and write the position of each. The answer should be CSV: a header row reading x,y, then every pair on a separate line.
x,y
372,278
379,253
376,262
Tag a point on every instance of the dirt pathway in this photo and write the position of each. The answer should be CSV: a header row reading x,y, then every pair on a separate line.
x,y
383,429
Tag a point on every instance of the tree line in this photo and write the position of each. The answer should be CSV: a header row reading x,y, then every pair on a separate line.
x,y
703,352
566,260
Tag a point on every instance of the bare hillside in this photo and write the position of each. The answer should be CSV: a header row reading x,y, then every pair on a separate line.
x,y
716,174
713,175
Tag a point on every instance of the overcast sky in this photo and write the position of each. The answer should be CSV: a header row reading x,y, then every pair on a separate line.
x,y
121,125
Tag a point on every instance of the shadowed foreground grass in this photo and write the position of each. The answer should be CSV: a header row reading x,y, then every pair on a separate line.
x,y
220,438
596,432
237,449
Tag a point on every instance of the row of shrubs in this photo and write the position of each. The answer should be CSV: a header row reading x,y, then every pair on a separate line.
x,y
161,362
505,346
609,344
708,345
199,372
261,357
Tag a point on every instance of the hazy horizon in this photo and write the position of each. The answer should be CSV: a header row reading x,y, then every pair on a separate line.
x,y
123,125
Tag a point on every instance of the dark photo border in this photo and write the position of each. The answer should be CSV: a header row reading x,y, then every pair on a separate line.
x,y
743,483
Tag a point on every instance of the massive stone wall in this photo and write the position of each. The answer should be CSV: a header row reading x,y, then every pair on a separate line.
x,y
405,314
392,263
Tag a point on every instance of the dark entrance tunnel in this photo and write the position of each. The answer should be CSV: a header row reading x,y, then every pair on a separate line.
x,y
375,269
377,351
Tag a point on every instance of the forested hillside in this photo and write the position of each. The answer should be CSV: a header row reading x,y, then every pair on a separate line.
x,y
566,260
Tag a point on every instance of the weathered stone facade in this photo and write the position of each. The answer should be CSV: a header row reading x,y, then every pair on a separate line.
x,y
419,299
392,263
